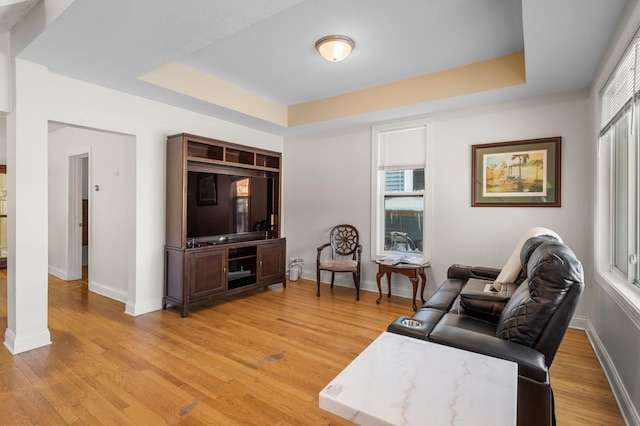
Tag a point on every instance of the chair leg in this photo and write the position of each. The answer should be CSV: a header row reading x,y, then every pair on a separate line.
x,y
318,279
333,274
356,280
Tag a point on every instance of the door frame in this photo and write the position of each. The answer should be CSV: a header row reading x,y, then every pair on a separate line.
x,y
74,214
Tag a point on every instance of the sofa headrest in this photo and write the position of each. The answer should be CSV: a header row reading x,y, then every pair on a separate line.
x,y
511,270
552,272
531,245
553,268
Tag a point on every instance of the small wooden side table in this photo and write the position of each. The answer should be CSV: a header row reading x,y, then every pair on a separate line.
x,y
411,271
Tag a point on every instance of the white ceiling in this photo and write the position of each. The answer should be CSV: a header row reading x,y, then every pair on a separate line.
x,y
267,47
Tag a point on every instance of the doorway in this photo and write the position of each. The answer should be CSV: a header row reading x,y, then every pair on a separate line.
x,y
85,220
79,216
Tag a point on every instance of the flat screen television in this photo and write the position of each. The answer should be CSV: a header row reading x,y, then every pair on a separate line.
x,y
220,204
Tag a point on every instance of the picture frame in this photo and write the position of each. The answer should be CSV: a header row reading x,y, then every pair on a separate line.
x,y
525,173
207,190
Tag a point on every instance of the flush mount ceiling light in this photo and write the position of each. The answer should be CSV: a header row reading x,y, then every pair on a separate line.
x,y
335,48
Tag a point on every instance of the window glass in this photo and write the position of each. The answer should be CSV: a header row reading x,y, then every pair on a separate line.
x,y
404,180
403,218
620,194
403,210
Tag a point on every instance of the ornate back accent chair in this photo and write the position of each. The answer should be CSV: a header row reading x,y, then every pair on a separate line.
x,y
346,251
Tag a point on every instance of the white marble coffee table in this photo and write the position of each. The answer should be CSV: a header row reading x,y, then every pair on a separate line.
x,y
398,380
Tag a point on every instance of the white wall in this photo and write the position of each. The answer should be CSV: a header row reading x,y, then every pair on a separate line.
x,y
487,235
3,140
327,181
6,82
81,104
112,211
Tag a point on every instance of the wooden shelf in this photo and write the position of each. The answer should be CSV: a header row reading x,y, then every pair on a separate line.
x,y
205,151
241,157
269,161
213,151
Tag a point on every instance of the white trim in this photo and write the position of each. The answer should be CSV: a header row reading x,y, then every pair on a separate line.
x,y
108,291
578,322
625,403
59,273
428,196
27,343
135,309
377,202
401,287
626,296
74,212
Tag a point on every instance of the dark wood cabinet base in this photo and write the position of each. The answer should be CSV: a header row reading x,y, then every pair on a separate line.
x,y
198,275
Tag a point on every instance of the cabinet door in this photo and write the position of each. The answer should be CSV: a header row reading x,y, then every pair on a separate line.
x,y
207,274
271,262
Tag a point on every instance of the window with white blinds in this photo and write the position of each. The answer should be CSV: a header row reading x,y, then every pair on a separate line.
x,y
619,166
617,95
400,217
402,147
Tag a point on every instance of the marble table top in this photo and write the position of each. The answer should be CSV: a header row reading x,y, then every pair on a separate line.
x,y
398,380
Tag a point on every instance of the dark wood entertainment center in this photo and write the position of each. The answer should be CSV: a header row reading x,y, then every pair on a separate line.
x,y
222,229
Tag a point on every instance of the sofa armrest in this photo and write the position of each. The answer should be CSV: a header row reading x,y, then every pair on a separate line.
x,y
458,331
445,295
465,272
419,326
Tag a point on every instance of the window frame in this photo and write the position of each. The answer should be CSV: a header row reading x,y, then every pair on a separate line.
x,y
612,282
622,91
422,127
616,284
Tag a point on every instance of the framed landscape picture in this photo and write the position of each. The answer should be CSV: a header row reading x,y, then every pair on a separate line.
x,y
516,174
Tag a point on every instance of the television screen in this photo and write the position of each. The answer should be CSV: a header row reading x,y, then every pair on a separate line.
x,y
221,204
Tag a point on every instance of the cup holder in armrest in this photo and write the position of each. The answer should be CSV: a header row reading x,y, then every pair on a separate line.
x,y
410,327
418,326
408,322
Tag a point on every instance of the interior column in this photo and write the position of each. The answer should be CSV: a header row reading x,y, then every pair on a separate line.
x,y
27,181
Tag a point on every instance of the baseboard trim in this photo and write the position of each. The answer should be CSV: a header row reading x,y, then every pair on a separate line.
x,y
107,291
578,322
58,273
136,309
133,309
627,409
401,288
19,344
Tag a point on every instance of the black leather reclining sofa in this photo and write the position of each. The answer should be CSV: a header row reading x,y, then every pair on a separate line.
x,y
525,328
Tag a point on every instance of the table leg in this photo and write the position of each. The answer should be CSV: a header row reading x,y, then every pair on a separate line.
x,y
378,276
424,282
414,281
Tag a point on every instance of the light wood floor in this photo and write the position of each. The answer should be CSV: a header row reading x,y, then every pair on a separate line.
x,y
259,359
